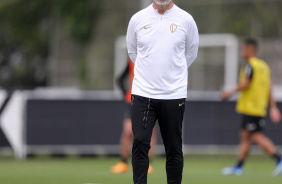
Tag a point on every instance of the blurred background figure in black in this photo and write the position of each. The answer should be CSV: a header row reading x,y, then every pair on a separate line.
x,y
127,135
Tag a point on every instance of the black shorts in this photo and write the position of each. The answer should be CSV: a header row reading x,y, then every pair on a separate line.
x,y
127,114
253,123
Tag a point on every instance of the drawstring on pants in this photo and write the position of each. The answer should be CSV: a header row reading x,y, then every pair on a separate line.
x,y
146,113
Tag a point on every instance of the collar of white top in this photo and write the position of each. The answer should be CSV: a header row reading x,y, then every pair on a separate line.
x,y
166,12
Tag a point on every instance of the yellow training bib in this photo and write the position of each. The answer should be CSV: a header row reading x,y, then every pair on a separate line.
x,y
253,101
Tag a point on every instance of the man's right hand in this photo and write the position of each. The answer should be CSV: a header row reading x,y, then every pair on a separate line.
x,y
225,95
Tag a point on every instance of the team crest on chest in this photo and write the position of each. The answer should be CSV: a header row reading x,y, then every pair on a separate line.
x,y
173,28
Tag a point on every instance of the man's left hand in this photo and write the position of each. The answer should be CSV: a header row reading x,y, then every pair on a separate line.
x,y
275,114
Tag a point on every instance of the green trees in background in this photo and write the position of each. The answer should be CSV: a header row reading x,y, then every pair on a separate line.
x,y
260,18
25,27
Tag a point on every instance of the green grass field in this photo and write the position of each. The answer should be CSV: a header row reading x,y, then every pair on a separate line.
x,y
74,170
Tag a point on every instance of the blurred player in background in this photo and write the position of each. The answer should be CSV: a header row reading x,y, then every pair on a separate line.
x,y
255,95
127,134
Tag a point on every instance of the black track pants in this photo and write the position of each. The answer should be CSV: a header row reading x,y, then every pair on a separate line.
x,y
169,113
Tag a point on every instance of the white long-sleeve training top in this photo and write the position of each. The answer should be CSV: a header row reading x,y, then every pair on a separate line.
x,y
162,48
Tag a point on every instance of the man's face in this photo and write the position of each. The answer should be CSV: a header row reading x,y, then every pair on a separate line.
x,y
162,3
247,51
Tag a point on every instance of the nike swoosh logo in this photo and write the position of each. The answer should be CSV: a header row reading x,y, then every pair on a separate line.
x,y
181,104
147,27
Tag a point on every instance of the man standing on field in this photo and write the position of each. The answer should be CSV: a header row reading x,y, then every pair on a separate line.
x,y
255,95
162,41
